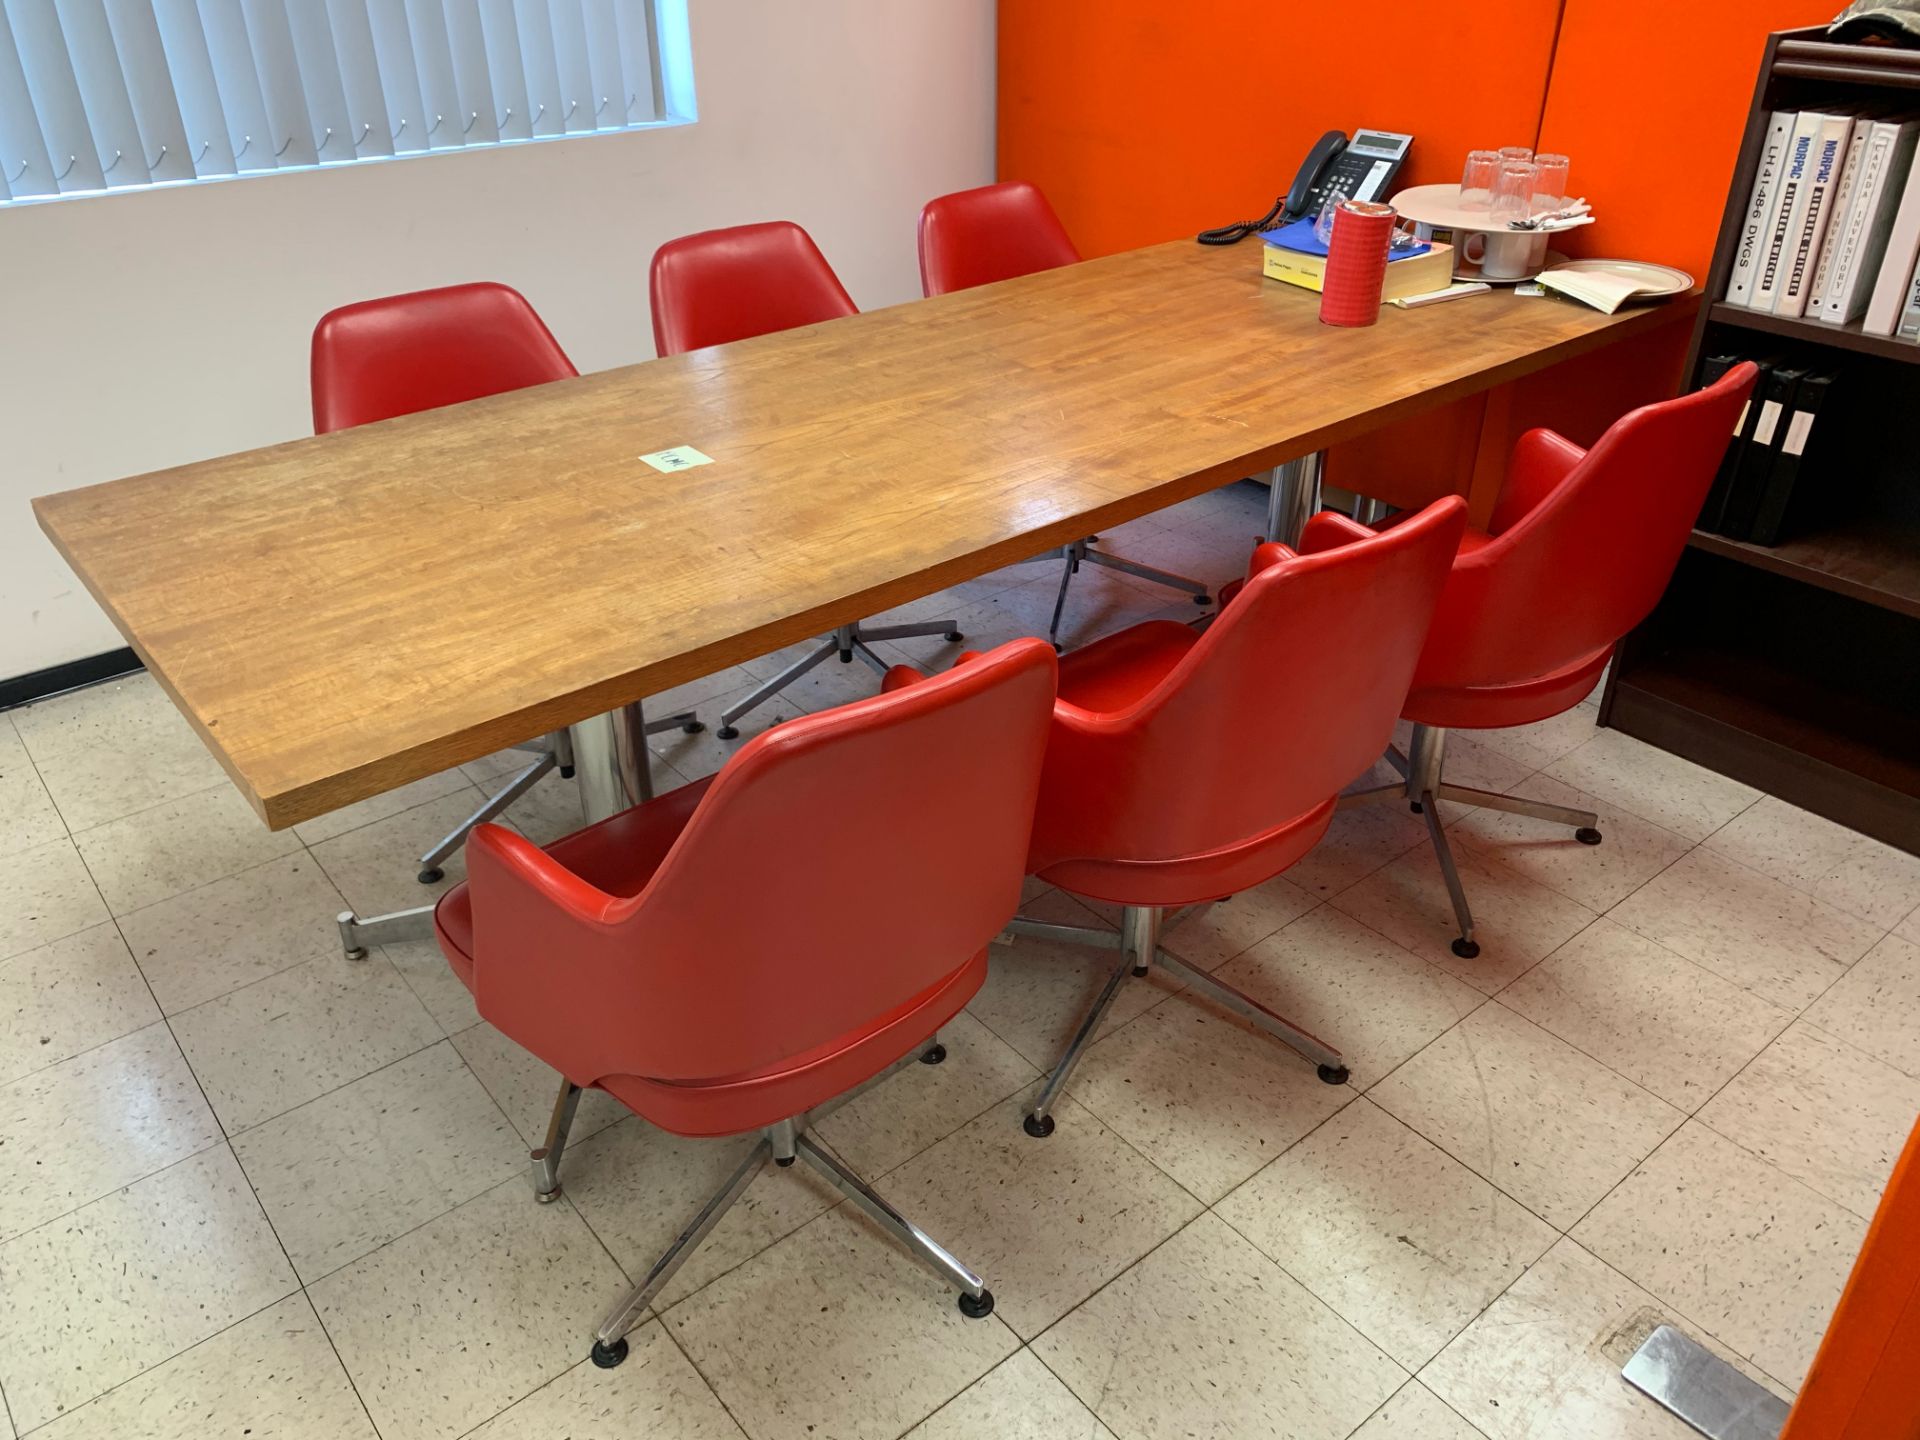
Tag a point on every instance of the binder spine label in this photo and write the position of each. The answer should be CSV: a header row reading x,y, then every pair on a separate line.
x,y
1768,422
1797,430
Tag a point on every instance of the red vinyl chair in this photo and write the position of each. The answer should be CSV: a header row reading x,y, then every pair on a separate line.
x,y
1185,767
998,232
692,957
378,359
1581,545
725,285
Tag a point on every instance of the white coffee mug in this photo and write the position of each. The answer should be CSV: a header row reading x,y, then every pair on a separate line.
x,y
1504,254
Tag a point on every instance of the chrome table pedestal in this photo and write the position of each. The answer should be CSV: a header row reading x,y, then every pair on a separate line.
x,y
610,767
1293,496
1704,1390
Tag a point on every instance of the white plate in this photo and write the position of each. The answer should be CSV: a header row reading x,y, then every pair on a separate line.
x,y
1660,280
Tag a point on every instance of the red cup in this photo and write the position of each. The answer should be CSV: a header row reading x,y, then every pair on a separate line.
x,y
1356,263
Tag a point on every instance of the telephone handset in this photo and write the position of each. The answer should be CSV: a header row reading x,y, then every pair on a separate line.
x,y
1358,169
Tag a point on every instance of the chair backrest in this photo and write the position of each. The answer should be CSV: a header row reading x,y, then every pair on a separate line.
x,y
975,237
839,867
1290,694
1589,560
404,353
725,285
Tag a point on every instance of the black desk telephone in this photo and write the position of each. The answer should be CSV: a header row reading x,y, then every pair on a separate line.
x,y
1358,169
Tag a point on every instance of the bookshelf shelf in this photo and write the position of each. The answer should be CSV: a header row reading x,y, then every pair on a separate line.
x,y
1816,332
1796,667
1872,561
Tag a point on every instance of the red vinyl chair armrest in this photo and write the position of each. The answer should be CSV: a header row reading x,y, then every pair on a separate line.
x,y
1541,459
528,906
1265,557
1329,530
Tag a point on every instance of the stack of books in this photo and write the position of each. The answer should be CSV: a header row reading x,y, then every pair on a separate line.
x,y
1832,228
1753,495
1294,255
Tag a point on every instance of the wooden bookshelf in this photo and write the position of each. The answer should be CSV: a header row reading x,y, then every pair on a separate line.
x,y
1796,667
1816,332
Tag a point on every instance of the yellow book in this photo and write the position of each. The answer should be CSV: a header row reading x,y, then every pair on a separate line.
x,y
1415,275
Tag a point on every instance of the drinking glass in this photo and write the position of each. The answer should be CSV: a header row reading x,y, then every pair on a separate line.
x,y
1513,193
1323,222
1476,180
1516,154
1550,184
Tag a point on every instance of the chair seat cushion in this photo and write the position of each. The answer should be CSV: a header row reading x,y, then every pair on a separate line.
x,y
1192,879
1116,670
1495,707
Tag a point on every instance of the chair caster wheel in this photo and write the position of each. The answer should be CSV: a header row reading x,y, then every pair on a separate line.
x,y
933,1054
1416,807
953,637
1333,1074
846,657
1058,648
566,772
1466,949
432,875
977,1309
1140,972
608,1356
726,732
693,727
1203,600
783,1161
1587,835
1039,1128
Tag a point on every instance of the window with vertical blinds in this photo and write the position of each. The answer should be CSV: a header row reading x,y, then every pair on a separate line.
x,y
101,95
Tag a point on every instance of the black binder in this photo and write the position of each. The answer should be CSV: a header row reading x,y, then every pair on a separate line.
x,y
1713,513
1776,500
1773,398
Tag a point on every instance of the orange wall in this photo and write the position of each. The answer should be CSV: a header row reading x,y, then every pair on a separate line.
x,y
1144,122
1650,98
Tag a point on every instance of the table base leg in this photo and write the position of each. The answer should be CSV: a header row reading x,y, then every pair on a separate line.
x,y
1704,1390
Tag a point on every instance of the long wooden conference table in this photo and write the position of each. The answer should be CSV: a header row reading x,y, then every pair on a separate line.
x,y
340,615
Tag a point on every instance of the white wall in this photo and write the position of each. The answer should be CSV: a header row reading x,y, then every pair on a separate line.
x,y
152,328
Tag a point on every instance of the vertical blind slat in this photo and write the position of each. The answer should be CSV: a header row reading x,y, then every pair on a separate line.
x,y
504,69
398,74
289,137
56,96
636,62
546,105
190,63
24,167
603,56
370,127
110,94
242,100
151,88
103,91
333,127
577,96
433,64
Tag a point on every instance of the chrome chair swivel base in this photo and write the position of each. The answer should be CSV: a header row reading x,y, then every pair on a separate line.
x,y
846,641
1138,941
783,1143
555,751
1424,785
1081,552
